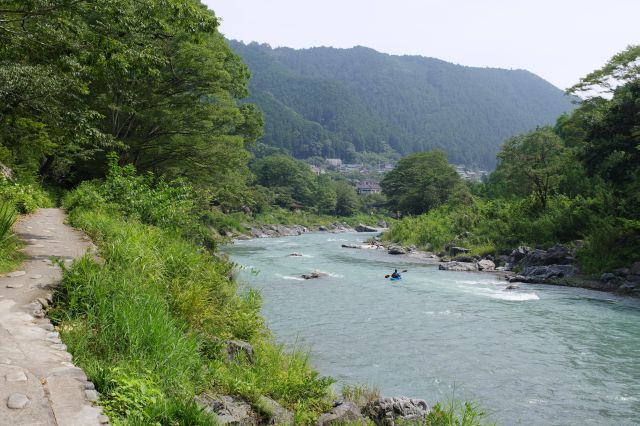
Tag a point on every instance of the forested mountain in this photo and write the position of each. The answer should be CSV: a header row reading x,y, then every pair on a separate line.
x,y
336,102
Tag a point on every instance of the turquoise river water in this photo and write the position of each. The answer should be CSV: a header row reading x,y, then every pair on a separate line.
x,y
539,355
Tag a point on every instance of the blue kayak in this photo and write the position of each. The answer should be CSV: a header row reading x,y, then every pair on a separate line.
x,y
395,279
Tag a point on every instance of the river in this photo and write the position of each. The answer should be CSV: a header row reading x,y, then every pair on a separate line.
x,y
538,355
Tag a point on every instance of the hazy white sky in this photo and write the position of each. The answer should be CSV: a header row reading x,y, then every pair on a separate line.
x,y
560,40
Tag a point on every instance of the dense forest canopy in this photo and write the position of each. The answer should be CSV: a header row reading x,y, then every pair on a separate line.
x,y
152,80
339,102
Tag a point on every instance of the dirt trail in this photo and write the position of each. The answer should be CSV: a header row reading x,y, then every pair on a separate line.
x,y
39,385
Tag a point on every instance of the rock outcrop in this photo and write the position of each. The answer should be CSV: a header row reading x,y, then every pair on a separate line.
x,y
278,415
365,228
390,411
343,413
544,274
239,349
229,410
396,250
556,255
458,266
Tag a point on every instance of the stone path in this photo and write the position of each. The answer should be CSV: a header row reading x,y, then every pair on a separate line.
x,y
39,385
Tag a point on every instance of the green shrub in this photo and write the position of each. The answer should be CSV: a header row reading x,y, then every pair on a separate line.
x,y
10,256
25,198
7,219
613,243
456,414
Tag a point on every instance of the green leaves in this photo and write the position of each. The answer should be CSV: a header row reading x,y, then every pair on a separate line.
x,y
622,68
532,163
420,182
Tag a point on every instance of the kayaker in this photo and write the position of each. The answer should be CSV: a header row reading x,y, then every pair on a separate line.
x,y
395,274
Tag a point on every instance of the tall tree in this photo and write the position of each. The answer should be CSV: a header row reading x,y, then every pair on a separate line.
x,y
531,163
420,182
346,199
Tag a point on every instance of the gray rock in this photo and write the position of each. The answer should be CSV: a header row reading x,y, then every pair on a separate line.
x,y
230,410
353,246
458,266
486,265
396,250
607,276
382,224
279,414
295,254
236,349
633,279
16,274
390,411
16,376
512,287
627,287
313,275
18,401
365,228
344,412
428,247
556,255
518,254
91,395
103,419
6,172
622,272
544,274
635,269
322,228
454,251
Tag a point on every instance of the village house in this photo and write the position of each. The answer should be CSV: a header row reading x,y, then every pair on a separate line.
x,y
368,187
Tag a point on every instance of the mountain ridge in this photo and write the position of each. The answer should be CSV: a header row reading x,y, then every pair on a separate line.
x,y
368,101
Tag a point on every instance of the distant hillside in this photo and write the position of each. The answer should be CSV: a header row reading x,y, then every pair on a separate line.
x,y
336,102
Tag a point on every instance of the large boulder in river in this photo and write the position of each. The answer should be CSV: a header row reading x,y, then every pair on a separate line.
x,y
544,274
458,266
396,250
365,228
486,265
389,411
341,414
313,275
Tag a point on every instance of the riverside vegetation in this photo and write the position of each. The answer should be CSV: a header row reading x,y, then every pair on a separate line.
x,y
576,183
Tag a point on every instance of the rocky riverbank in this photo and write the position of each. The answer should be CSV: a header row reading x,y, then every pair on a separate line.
x,y
274,231
556,266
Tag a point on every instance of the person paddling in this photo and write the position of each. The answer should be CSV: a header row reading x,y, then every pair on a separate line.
x,y
395,274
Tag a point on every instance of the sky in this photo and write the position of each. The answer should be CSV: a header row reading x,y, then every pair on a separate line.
x,y
560,40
